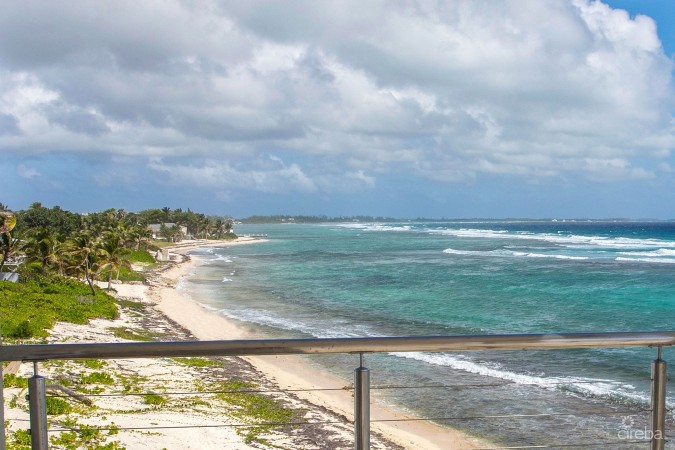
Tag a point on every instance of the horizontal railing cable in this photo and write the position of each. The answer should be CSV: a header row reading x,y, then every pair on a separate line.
x,y
509,416
603,445
224,425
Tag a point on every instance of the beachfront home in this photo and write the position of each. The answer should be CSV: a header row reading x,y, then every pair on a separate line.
x,y
169,231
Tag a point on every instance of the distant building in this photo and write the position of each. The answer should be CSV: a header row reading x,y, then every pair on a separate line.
x,y
156,228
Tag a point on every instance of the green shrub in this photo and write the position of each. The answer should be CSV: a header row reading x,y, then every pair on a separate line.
x,y
197,362
154,399
141,256
259,409
31,307
57,406
19,440
97,378
131,335
9,380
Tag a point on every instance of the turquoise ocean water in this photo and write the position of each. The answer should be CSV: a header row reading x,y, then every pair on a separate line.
x,y
468,277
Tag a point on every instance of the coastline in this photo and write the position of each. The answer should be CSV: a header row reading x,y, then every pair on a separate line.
x,y
291,372
200,419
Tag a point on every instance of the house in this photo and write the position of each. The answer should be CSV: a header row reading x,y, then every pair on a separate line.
x,y
156,229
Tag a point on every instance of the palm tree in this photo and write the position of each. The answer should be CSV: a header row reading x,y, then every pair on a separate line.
x,y
83,247
139,236
219,228
229,224
43,246
112,254
7,223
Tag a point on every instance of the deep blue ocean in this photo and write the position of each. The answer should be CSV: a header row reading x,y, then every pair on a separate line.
x,y
468,277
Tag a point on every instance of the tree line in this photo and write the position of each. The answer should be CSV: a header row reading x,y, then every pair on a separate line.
x,y
95,245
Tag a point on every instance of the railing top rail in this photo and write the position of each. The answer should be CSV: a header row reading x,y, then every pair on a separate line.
x,y
41,352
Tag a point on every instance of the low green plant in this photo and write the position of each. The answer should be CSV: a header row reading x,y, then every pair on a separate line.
x,y
56,406
256,408
154,399
29,308
86,436
197,362
130,304
94,364
9,380
97,378
19,440
140,256
126,274
131,335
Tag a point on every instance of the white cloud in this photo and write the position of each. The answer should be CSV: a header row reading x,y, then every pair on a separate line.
x,y
27,172
352,90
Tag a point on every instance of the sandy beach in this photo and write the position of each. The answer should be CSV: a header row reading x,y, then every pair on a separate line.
x,y
166,310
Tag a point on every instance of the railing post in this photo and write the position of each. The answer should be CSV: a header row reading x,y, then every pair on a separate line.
x,y
361,406
37,404
658,414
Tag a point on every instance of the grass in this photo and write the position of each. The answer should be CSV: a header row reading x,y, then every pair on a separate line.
x,y
28,309
97,378
130,304
57,406
256,408
198,362
141,256
9,380
132,335
94,364
154,399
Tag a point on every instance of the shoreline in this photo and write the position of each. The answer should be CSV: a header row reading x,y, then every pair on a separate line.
x,y
192,413
290,372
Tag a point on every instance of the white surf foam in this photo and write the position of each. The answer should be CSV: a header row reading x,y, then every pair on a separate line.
x,y
587,386
648,260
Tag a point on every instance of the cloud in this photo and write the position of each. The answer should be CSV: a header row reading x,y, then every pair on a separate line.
x,y
27,172
268,175
353,91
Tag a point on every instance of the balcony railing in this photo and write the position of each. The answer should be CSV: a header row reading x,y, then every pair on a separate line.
x,y
46,352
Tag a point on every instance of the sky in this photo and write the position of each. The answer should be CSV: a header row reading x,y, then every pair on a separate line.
x,y
454,108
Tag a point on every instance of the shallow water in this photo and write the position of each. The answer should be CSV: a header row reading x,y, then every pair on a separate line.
x,y
487,277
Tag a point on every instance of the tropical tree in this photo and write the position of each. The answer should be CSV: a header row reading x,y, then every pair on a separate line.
x,y
113,255
139,236
7,223
229,224
83,248
43,246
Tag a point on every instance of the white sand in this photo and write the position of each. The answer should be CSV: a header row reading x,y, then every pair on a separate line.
x,y
290,372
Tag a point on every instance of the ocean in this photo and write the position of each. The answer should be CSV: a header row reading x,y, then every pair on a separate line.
x,y
469,277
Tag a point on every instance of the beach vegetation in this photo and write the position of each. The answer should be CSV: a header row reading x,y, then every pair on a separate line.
x,y
154,399
10,380
262,411
131,304
19,440
198,362
7,224
97,378
132,335
94,364
86,436
32,306
56,406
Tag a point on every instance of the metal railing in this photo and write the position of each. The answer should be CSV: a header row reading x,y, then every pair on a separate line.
x,y
45,352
